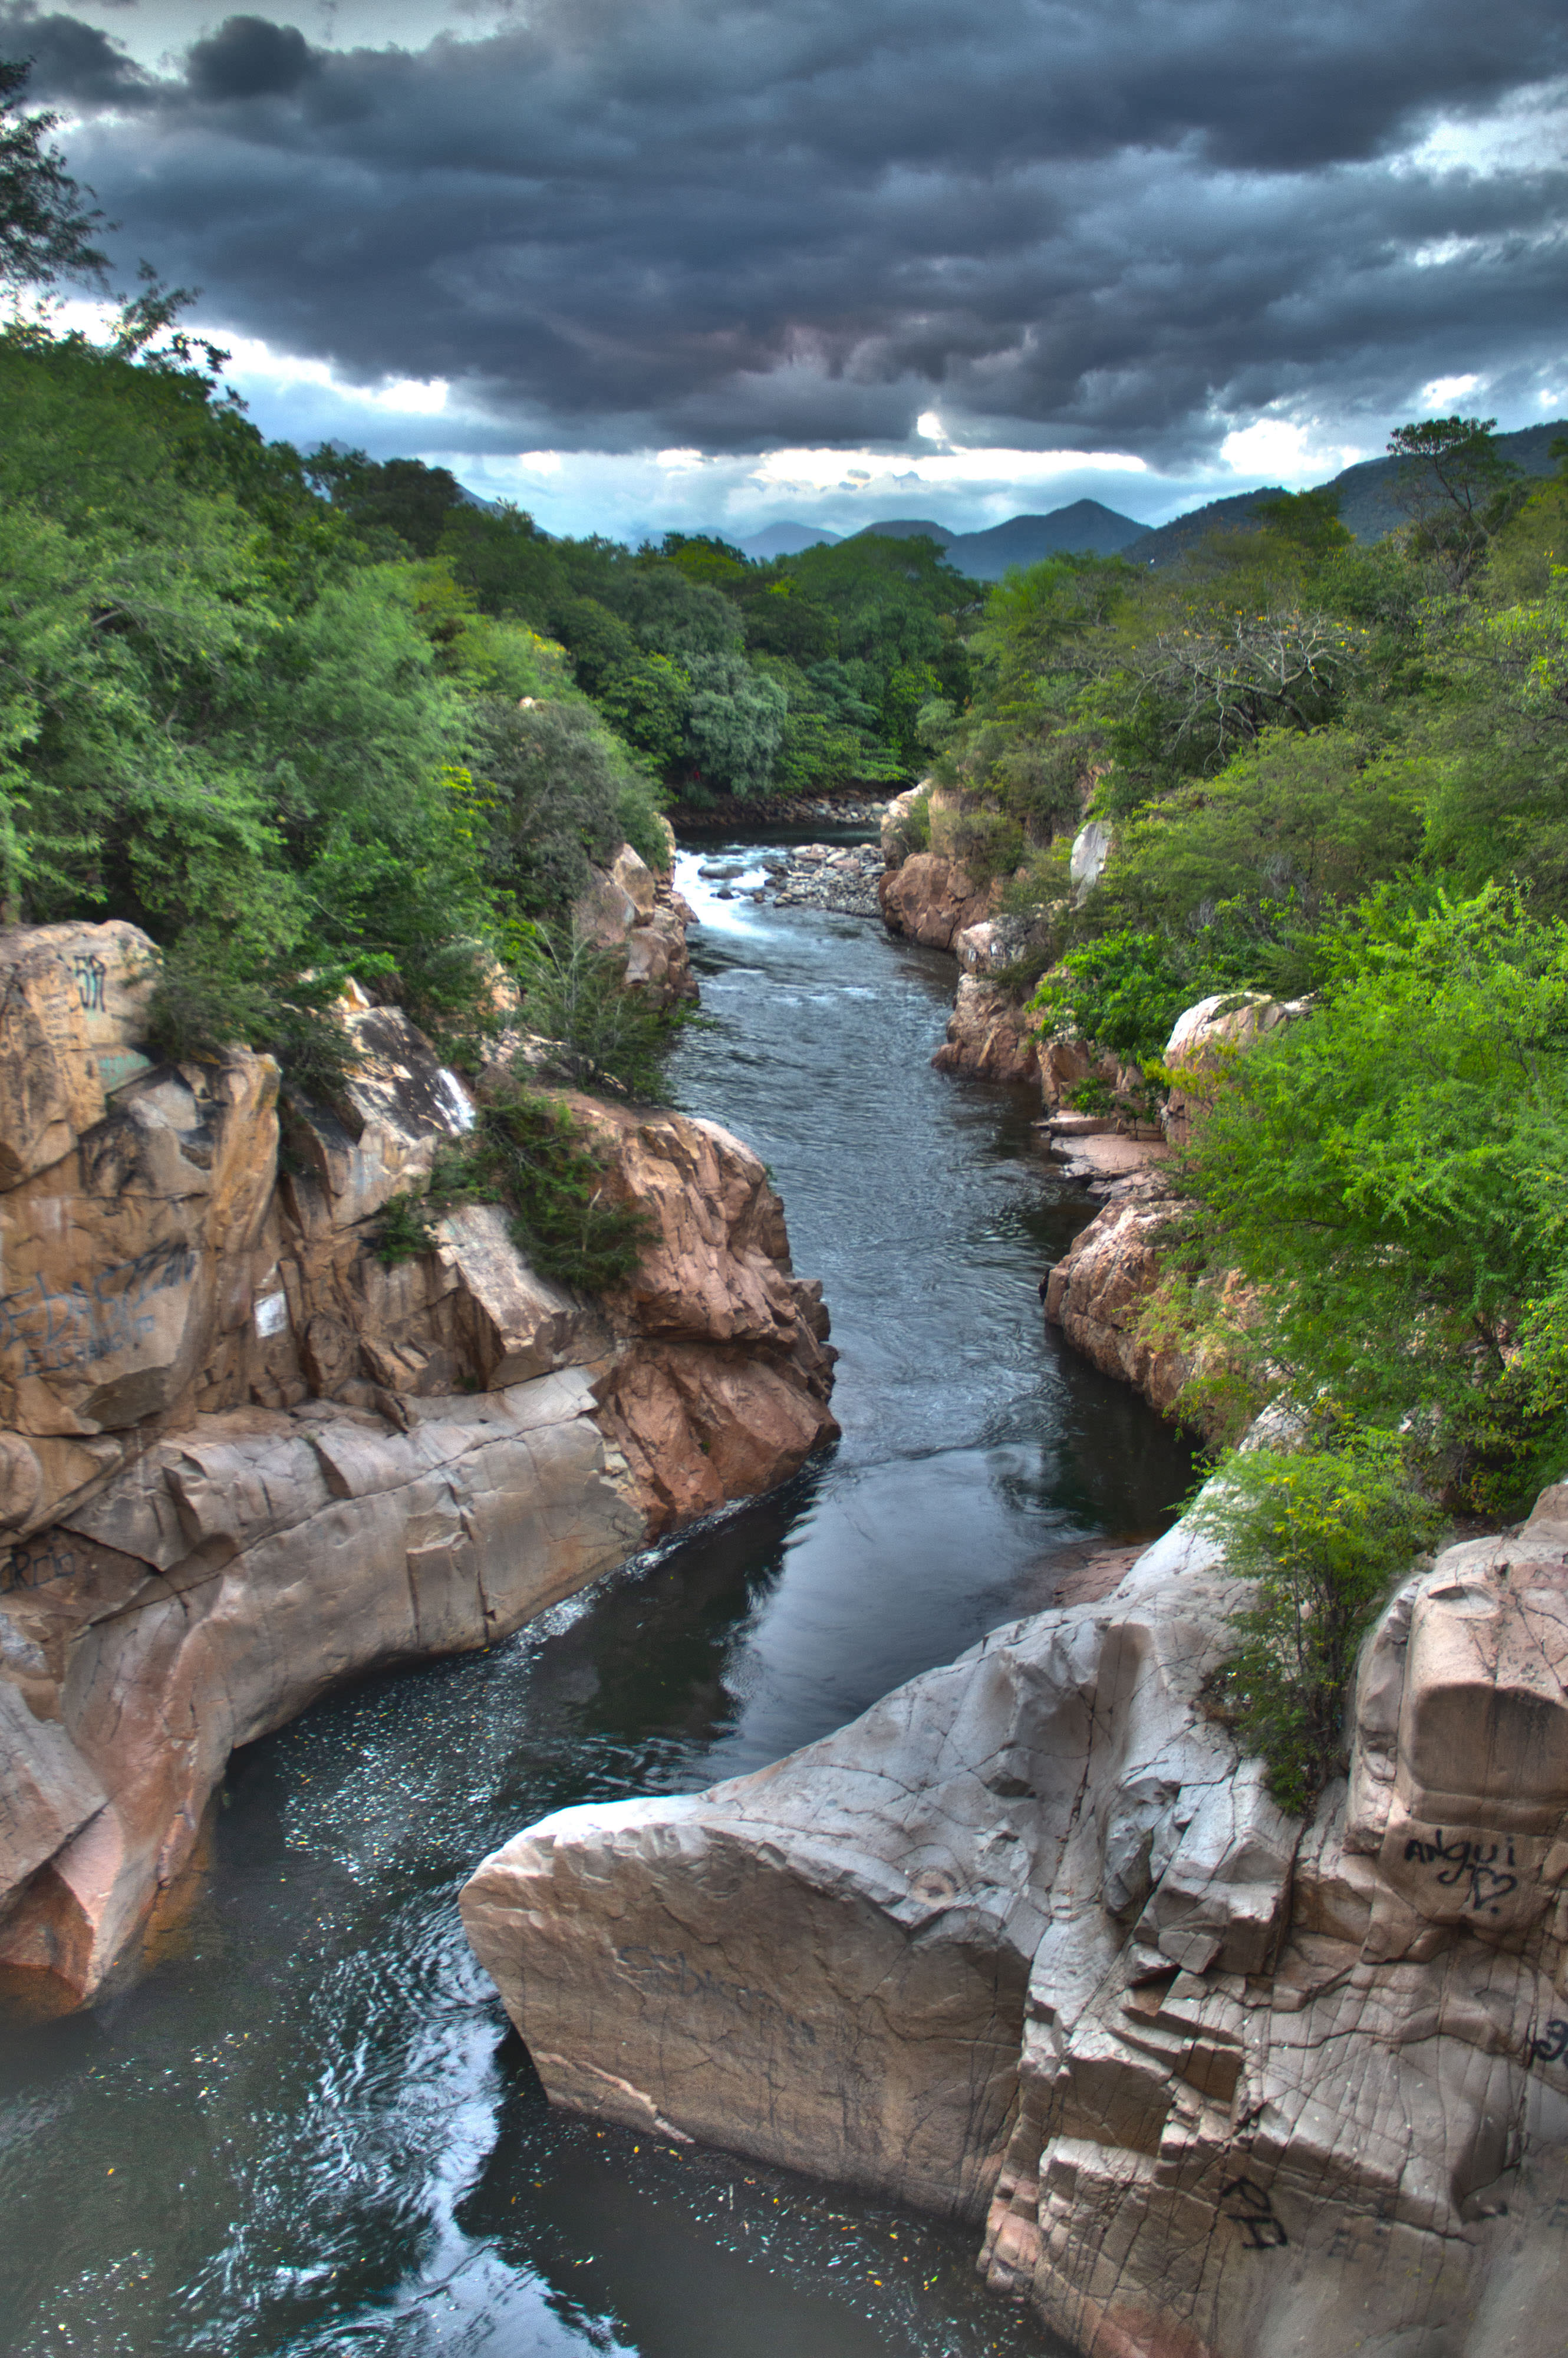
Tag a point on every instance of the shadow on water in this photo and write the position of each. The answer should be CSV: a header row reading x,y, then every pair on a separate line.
x,y
308,2129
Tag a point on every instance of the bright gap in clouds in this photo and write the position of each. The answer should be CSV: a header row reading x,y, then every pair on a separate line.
x,y
1445,389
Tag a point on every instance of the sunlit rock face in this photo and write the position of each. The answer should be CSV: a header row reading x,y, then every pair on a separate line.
x,y
241,1458
1028,1940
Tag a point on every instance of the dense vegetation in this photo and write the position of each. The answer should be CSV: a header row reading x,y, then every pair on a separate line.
x,y
726,676
1336,775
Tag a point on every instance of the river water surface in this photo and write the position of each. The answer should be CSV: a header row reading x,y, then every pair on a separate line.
x,y
306,2128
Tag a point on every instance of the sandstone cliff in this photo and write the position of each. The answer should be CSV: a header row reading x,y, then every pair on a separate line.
x,y
1028,1945
241,1459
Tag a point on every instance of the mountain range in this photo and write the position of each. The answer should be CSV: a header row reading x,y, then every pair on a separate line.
x,y
1367,506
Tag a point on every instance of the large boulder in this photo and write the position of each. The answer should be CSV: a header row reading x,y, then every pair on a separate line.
x,y
989,1035
931,899
631,910
827,1964
1208,1037
1092,846
1029,1937
723,1391
1101,1291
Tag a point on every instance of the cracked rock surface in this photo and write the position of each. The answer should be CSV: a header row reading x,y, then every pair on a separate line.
x,y
1028,1944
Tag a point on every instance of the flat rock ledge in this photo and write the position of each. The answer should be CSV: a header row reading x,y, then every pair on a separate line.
x,y
1029,1946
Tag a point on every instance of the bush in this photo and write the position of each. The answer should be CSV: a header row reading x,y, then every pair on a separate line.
x,y
986,844
575,996
201,1005
1388,1171
1323,1534
560,789
1124,990
529,1153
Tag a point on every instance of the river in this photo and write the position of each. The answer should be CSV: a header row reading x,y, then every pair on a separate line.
x,y
306,2128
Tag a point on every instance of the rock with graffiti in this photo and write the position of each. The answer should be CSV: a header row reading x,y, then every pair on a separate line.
x,y
1210,2082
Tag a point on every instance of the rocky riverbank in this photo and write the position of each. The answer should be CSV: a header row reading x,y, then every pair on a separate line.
x,y
1030,1946
243,1459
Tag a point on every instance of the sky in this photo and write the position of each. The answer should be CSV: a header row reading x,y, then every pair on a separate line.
x,y
641,264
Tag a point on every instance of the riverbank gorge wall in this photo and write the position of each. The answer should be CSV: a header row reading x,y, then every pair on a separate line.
x,y
243,1459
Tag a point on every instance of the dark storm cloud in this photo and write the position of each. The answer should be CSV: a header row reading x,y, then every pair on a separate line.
x,y
248,56
1078,222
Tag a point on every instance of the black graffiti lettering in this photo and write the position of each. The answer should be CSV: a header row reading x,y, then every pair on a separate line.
x,y
56,1328
36,1567
1245,2202
1472,1863
90,976
1552,2044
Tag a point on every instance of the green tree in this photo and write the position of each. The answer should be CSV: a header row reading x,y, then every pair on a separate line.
x,y
1457,487
46,230
735,722
1323,1532
1388,1171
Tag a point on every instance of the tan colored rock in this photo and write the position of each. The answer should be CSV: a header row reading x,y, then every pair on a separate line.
x,y
1206,1038
606,913
894,840
636,880
1066,1063
716,1268
1459,1777
700,1427
261,1558
401,1105
931,899
657,958
518,1325
1100,1290
989,1035
113,1262
72,1016
48,1791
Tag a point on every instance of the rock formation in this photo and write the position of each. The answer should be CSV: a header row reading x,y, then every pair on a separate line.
x,y
927,895
630,910
990,1032
1100,1291
931,899
1204,1040
241,1458
1029,1946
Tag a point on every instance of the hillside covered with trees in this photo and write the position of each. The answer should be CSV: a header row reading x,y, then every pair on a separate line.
x,y
1336,775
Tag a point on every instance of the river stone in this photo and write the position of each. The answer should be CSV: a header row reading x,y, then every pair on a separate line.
x,y
826,1964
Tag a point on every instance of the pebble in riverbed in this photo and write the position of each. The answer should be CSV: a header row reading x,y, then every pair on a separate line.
x,y
824,876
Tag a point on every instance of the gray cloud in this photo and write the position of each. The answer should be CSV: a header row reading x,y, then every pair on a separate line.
x,y
1082,223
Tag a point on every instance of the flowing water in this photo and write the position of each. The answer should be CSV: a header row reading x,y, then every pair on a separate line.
x,y
306,2128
